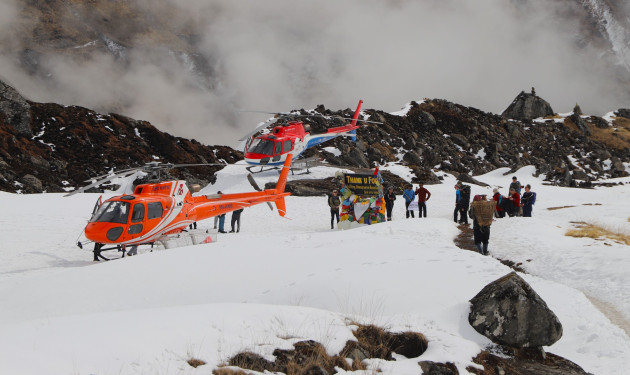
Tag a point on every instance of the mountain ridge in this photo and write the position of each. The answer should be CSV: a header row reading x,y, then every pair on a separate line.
x,y
46,147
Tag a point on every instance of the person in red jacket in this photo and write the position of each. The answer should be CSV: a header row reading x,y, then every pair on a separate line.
x,y
423,196
496,197
516,202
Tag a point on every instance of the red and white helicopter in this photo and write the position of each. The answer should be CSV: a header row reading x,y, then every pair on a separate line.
x,y
293,138
158,210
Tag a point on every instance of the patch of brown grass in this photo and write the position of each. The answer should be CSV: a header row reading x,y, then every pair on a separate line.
x,y
558,208
584,230
310,357
228,371
194,362
616,137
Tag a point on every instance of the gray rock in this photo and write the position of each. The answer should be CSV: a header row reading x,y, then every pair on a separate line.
x,y
412,158
358,158
426,119
579,174
623,112
509,312
436,368
527,107
580,123
16,109
460,140
32,182
599,122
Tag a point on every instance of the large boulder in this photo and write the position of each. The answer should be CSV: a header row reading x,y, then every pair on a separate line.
x,y
528,107
16,109
509,312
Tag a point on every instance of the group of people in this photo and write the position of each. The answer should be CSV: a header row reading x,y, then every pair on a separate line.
x,y
481,210
410,195
235,221
515,204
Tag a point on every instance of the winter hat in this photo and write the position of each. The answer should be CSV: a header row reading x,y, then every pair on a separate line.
x,y
459,183
477,198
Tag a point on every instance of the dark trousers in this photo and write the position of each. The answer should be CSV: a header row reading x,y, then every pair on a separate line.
x,y
527,210
334,213
389,207
463,210
422,207
236,219
408,212
481,235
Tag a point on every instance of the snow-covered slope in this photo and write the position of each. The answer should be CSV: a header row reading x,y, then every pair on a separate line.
x,y
280,281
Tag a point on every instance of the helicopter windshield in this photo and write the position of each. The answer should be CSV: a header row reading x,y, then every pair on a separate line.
x,y
261,146
112,212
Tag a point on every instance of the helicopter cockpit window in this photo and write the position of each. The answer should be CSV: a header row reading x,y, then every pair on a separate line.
x,y
112,212
155,210
261,146
278,149
138,213
287,146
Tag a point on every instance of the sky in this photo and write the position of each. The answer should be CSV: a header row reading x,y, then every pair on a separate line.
x,y
277,56
283,280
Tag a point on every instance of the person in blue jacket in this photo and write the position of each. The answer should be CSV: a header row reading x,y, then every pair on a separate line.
x,y
409,196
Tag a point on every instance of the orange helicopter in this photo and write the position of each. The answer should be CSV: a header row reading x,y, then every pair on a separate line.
x,y
156,211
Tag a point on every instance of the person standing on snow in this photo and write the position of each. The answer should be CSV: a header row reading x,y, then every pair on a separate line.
x,y
334,202
515,198
221,221
462,199
423,196
527,200
516,185
236,219
482,213
389,197
409,196
497,197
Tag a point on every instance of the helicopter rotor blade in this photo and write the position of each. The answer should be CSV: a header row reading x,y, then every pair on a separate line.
x,y
117,172
251,180
258,128
102,181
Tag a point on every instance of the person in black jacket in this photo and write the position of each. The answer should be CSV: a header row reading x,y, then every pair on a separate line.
x,y
334,202
527,200
389,197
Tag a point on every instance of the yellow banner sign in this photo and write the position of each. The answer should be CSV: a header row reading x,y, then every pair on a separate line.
x,y
362,184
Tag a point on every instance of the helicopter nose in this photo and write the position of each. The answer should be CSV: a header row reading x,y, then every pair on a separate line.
x,y
103,232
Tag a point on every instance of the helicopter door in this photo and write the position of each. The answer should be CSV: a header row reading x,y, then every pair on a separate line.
x,y
277,152
137,216
288,146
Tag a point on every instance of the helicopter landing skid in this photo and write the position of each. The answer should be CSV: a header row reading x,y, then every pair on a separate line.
x,y
262,169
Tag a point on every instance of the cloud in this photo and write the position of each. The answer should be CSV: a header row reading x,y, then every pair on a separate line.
x,y
276,56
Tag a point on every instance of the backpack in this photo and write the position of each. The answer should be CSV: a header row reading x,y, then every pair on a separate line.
x,y
533,198
465,197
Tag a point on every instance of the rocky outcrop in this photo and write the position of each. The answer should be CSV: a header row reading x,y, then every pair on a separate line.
x,y
49,147
437,134
623,112
504,361
509,312
528,107
15,110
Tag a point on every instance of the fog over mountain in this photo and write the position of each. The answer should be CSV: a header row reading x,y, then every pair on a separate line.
x,y
188,67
